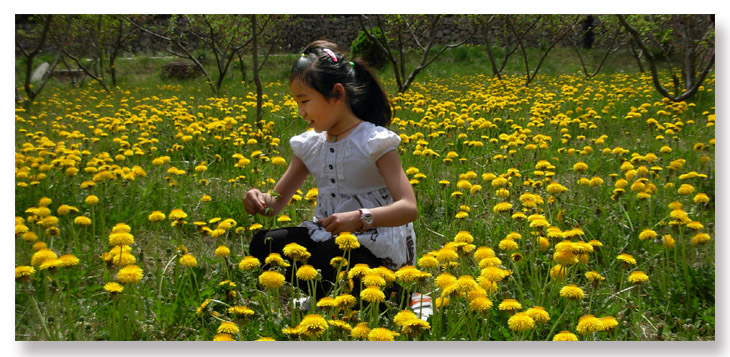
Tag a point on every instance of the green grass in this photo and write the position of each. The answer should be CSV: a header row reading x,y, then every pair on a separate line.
x,y
455,106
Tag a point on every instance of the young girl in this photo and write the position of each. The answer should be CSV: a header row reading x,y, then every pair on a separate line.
x,y
354,160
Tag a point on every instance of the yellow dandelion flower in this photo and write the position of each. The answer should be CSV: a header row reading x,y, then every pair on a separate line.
x,y
373,279
307,273
502,207
129,274
427,262
296,252
493,274
271,280
483,252
68,260
275,259
538,314
446,255
626,258
480,304
372,294
701,198
685,189
347,241
565,336
222,251
240,310
572,292
41,256
589,324
113,287
255,227
177,214
647,234
637,277
700,238
338,262
188,260
466,284
402,316
382,334
594,276
313,325
23,272
358,271
228,327
360,331
509,305
580,166
695,225
444,280
223,337
520,321
608,322
668,241
326,302
249,263
340,324
508,245
91,200
345,301
415,326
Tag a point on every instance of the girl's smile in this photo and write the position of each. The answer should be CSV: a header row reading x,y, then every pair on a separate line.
x,y
321,113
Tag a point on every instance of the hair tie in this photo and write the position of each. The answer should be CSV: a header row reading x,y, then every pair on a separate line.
x,y
331,54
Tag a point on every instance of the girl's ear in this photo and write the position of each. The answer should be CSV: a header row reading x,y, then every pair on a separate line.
x,y
338,91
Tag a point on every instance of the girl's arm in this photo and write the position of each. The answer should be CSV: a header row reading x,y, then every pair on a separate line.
x,y
257,202
403,209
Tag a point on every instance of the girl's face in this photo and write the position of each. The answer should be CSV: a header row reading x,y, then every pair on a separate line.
x,y
314,107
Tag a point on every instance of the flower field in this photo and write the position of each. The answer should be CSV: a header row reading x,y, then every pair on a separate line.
x,y
573,209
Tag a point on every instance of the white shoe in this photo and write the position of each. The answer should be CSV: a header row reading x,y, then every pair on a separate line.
x,y
421,305
303,303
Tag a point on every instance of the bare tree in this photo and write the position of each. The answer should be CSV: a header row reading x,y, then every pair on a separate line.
x,y
605,25
557,27
264,29
493,29
87,39
224,35
404,33
691,37
39,36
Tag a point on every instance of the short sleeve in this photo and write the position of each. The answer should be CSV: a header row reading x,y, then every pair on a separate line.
x,y
303,143
381,141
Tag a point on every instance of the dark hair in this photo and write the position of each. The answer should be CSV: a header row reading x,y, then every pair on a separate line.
x,y
322,65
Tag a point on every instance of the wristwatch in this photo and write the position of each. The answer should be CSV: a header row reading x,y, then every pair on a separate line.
x,y
367,219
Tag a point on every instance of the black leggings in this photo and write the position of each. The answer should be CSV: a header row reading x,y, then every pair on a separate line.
x,y
321,254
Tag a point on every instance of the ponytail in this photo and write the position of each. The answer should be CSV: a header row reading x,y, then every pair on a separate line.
x,y
322,65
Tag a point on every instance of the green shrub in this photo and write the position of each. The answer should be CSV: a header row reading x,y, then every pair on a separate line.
x,y
368,50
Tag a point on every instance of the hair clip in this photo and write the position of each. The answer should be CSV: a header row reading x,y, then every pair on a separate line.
x,y
331,54
352,64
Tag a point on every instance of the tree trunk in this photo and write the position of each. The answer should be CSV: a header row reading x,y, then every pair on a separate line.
x,y
256,79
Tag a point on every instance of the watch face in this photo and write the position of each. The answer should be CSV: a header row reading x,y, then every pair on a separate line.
x,y
368,218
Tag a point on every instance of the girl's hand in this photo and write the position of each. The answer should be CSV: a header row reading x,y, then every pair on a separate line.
x,y
254,202
342,222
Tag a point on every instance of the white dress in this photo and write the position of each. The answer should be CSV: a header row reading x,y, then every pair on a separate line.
x,y
347,179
